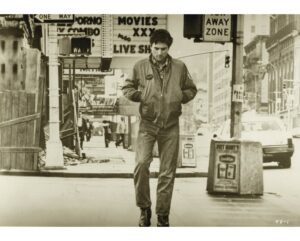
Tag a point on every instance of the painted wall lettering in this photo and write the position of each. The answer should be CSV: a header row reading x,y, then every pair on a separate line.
x,y
137,20
132,32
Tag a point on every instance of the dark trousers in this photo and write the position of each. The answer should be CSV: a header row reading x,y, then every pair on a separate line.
x,y
120,139
81,137
168,146
107,137
88,135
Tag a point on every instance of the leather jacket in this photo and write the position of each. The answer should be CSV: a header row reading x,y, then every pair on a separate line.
x,y
160,100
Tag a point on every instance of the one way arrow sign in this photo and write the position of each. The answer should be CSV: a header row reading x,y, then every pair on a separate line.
x,y
54,18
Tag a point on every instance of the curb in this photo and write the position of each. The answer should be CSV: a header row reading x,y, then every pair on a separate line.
x,y
91,175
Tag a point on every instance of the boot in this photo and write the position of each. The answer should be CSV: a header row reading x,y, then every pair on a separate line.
x,y
163,221
145,218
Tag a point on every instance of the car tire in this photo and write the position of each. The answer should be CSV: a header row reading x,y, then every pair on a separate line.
x,y
286,163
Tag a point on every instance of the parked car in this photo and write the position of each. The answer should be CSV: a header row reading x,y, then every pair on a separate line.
x,y
276,142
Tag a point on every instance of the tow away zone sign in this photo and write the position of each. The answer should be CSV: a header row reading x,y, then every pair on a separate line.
x,y
217,28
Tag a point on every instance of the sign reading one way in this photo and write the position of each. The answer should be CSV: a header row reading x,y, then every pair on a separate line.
x,y
217,28
54,18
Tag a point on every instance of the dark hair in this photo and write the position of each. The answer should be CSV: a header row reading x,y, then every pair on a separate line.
x,y
162,36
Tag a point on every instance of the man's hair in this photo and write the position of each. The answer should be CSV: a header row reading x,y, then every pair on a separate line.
x,y
161,36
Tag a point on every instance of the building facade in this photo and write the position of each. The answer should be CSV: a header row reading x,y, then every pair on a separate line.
x,y
283,47
254,76
16,35
255,24
221,86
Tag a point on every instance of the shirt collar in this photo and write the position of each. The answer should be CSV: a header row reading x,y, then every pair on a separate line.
x,y
161,66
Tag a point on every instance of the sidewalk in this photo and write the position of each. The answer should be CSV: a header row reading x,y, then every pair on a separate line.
x,y
112,162
104,202
110,202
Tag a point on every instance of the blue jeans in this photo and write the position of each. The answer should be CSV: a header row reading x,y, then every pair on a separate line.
x,y
168,146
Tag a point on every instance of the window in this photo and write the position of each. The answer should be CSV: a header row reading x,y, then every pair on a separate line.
x,y
2,68
2,45
272,28
15,68
252,29
15,45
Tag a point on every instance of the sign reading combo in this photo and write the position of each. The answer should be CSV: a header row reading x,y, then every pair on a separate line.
x,y
132,32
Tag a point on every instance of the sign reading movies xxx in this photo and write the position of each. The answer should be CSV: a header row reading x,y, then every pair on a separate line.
x,y
217,28
54,18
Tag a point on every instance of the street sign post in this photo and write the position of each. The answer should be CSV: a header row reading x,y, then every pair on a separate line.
x,y
237,75
209,27
54,18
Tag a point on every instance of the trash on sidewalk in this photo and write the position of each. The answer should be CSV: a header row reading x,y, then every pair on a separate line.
x,y
96,160
42,159
71,158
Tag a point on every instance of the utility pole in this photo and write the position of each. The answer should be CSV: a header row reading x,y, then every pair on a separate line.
x,y
237,75
54,150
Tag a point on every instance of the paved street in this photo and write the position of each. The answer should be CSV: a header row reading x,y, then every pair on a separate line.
x,y
51,201
109,202
36,201
58,201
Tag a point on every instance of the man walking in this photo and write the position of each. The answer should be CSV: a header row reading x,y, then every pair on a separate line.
x,y
107,132
89,128
161,84
121,129
81,122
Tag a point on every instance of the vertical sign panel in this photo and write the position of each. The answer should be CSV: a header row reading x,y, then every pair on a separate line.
x,y
227,167
188,152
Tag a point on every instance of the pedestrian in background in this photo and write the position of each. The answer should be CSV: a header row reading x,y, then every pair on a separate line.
x,y
81,123
89,128
121,130
107,132
161,84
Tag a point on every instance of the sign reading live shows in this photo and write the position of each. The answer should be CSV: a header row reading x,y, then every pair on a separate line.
x,y
217,28
132,32
84,26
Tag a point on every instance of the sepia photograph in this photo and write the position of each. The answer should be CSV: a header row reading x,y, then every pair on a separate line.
x,y
150,119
